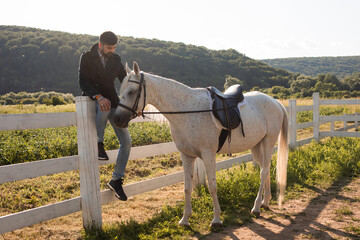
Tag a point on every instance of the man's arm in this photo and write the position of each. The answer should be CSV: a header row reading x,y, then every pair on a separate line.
x,y
84,82
122,73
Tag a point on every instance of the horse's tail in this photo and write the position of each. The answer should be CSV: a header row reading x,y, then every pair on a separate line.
x,y
282,157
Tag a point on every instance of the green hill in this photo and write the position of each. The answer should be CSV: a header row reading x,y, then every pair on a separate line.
x,y
313,66
34,60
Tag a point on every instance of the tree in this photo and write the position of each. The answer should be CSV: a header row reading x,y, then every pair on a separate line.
x,y
352,81
324,87
279,92
256,88
301,82
329,78
229,81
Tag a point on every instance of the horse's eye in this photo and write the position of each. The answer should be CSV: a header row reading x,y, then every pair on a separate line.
x,y
132,92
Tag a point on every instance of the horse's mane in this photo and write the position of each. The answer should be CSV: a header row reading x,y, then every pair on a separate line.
x,y
168,81
171,81
177,85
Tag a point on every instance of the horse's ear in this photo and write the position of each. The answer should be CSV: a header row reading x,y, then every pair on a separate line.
x,y
128,70
136,69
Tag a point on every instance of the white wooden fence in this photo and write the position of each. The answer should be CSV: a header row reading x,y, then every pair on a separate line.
x,y
91,198
320,120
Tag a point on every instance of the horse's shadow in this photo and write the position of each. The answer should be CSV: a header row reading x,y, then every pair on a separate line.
x,y
301,223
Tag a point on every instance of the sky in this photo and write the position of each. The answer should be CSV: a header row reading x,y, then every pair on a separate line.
x,y
260,29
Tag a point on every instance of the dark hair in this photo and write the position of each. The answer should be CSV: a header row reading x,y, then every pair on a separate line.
x,y
108,38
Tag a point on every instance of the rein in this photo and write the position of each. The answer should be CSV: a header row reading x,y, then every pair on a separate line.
x,y
194,111
142,85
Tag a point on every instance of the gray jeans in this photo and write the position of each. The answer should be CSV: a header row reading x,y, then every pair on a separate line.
x,y
122,135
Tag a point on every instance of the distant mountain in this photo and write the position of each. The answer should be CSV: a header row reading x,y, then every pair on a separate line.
x,y
34,60
313,66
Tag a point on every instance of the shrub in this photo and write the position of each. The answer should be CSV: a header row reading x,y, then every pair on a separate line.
x,y
68,97
35,144
28,101
56,100
43,98
9,101
38,97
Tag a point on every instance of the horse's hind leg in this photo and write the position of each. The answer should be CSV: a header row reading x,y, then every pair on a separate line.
x,y
188,165
267,194
210,165
262,153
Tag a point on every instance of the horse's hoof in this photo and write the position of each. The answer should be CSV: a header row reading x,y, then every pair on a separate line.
x,y
255,213
266,207
216,225
184,223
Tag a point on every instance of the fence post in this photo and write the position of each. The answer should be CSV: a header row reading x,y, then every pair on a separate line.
x,y
199,172
88,164
345,122
332,126
292,123
316,115
356,122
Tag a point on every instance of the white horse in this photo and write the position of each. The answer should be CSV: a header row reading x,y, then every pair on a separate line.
x,y
196,134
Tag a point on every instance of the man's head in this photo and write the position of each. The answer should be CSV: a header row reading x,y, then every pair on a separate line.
x,y
107,44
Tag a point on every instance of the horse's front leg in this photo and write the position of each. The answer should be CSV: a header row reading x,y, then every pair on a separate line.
x,y
188,165
210,165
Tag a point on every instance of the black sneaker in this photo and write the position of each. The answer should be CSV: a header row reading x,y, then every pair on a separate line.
x,y
101,151
116,185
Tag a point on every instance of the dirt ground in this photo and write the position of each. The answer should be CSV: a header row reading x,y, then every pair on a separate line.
x,y
333,213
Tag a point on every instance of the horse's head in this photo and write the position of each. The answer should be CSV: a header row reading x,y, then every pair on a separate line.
x,y
132,92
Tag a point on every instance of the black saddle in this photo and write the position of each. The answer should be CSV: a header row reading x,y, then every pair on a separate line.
x,y
224,108
233,92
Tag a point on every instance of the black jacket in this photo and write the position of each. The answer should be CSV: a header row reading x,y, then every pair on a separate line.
x,y
95,79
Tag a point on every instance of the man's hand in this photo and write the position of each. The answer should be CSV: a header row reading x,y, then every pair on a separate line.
x,y
104,104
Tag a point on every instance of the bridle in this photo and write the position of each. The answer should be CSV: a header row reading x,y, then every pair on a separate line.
x,y
136,104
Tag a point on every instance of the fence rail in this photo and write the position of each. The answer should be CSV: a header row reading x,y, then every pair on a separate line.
x,y
90,201
339,101
37,120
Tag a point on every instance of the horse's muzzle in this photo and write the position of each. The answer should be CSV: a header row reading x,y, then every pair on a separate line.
x,y
122,118
119,123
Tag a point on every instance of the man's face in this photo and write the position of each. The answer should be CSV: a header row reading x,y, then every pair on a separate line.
x,y
107,50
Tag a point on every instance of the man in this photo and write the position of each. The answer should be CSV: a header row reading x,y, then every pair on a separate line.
x,y
97,72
